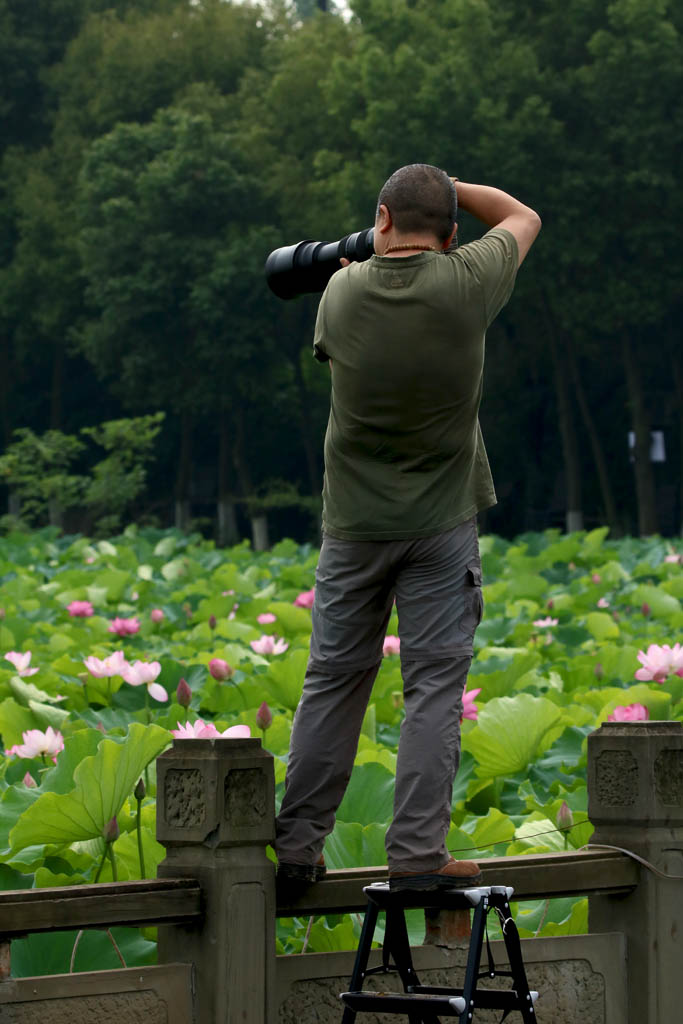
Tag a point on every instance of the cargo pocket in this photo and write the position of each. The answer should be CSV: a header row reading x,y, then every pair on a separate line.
x,y
473,603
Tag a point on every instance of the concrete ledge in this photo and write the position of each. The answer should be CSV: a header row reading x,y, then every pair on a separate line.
x,y
579,977
155,995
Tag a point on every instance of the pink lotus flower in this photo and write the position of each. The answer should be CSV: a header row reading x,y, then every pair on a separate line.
x,y
469,708
266,618
565,818
21,662
305,598
264,717
391,645
183,693
676,659
545,623
233,613
156,615
112,665
674,559
143,673
596,578
200,730
38,744
269,645
629,713
80,609
29,781
220,669
658,663
603,602
124,627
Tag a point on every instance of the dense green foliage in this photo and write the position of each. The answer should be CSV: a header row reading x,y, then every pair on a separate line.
x,y
556,653
154,151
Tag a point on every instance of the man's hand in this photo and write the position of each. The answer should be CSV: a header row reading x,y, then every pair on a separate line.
x,y
497,209
344,262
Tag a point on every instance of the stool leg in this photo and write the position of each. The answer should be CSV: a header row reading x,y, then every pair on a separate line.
x,y
396,939
518,971
362,956
473,959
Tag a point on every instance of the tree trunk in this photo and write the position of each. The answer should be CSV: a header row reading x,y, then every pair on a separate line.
x,y
6,375
566,423
228,532
57,387
314,481
645,483
678,382
184,474
606,492
257,517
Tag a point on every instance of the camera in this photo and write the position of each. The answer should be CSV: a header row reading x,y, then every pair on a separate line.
x,y
307,266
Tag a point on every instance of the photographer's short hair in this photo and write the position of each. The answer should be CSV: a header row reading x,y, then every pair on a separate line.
x,y
420,198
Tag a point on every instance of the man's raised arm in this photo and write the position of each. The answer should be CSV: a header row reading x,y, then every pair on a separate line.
x,y
497,209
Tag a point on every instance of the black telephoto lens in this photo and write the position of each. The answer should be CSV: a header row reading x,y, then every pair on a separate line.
x,y
307,266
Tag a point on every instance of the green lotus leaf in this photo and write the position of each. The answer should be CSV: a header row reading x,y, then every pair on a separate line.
x,y
291,620
511,732
602,626
369,797
25,692
323,939
103,782
14,720
352,844
489,831
285,679
661,604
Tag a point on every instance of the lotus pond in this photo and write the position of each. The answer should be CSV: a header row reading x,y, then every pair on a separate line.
x,y
107,647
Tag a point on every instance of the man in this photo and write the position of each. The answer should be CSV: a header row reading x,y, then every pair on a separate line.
x,y
406,473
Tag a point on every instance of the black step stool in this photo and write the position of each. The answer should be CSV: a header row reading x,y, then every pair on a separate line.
x,y
422,1003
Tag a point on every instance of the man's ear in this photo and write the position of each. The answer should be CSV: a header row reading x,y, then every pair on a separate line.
x,y
383,223
450,237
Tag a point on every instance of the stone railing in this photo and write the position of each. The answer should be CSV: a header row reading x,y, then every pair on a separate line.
x,y
214,900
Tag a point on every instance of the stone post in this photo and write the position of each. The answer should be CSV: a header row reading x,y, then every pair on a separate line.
x,y
215,816
635,801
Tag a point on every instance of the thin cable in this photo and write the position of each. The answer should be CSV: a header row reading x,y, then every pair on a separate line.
x,y
634,856
534,835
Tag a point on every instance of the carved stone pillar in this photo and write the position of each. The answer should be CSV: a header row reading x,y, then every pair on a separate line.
x,y
215,816
635,801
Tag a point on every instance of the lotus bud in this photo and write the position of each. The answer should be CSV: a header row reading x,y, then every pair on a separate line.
x,y
84,677
110,832
596,578
220,669
139,792
101,728
551,603
646,609
212,621
183,693
598,670
156,615
29,781
565,818
264,717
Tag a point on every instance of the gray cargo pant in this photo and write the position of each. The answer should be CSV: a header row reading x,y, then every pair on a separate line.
x,y
436,582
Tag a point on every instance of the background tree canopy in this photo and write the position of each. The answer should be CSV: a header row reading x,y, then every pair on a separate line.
x,y
154,151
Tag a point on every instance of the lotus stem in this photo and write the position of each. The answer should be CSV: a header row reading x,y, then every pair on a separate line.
x,y
112,858
138,828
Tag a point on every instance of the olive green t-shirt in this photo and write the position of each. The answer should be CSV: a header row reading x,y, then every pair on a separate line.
x,y
404,455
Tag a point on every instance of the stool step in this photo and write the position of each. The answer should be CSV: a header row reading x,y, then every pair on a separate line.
x,y
404,1002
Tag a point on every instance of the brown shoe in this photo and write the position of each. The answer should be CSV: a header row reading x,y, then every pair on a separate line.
x,y
455,874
